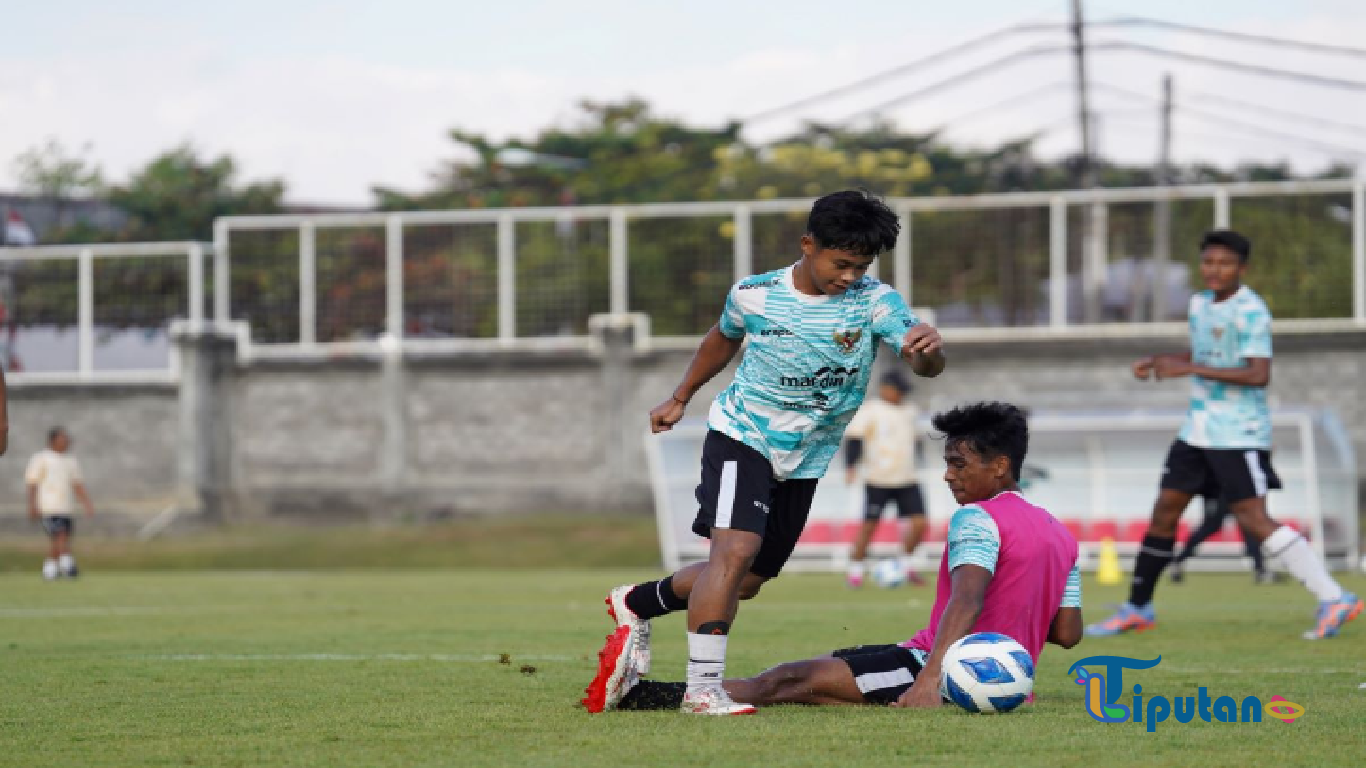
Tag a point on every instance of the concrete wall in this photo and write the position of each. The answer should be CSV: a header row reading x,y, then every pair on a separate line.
x,y
124,437
505,431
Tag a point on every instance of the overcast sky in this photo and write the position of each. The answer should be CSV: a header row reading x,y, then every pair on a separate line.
x,y
337,96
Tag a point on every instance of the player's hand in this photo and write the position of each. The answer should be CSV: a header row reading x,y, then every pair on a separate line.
x,y
664,416
922,338
34,514
89,511
1171,367
1143,368
922,695
850,475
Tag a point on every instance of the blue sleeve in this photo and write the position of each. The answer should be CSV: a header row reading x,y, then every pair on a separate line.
x,y
1254,332
732,322
1071,597
974,539
892,319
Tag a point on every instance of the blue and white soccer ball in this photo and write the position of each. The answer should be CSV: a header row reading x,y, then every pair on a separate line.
x,y
987,672
889,574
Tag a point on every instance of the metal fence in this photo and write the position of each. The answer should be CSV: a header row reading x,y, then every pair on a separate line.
x,y
98,312
534,276
997,265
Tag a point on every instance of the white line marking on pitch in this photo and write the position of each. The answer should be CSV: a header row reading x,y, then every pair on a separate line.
x,y
441,657
43,613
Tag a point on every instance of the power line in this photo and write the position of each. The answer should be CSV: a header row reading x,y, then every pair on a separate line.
x,y
1001,105
1321,122
1214,61
1280,42
898,71
1239,124
959,79
1046,50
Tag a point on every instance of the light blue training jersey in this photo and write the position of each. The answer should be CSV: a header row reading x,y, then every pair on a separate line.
x,y
807,366
1225,334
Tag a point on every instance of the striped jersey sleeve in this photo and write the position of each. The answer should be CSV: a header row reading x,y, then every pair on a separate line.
x,y
974,539
732,322
892,318
1071,596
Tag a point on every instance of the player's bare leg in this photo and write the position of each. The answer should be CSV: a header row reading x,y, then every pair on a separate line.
x,y
824,681
1154,555
61,547
634,605
1285,545
860,552
712,605
915,527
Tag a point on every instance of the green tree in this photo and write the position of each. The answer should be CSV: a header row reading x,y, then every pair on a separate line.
x,y
178,195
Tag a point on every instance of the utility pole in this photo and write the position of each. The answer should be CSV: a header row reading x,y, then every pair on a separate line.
x,y
1092,274
1085,170
1162,215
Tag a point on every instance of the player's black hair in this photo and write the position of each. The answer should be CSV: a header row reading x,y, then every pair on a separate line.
x,y
54,432
895,379
1230,240
853,220
990,429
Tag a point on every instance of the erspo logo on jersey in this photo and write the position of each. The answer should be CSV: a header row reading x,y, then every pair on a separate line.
x,y
1103,690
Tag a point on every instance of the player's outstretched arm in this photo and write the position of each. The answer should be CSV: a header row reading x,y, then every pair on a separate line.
x,y
1257,372
924,349
968,592
713,355
1066,629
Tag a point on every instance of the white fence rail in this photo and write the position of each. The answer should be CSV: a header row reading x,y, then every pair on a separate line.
x,y
98,312
1035,264
535,275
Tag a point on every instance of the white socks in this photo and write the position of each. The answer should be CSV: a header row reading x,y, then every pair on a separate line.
x,y
856,569
706,660
50,569
65,562
1286,546
904,560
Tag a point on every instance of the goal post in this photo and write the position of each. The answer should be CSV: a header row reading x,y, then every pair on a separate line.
x,y
1097,471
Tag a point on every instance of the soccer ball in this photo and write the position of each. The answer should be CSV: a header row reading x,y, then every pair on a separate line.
x,y
987,672
889,574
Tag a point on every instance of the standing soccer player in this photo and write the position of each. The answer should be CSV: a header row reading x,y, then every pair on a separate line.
x,y
883,436
1225,442
813,331
54,484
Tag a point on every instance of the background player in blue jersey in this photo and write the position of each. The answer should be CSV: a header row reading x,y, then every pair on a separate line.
x,y
1225,442
813,331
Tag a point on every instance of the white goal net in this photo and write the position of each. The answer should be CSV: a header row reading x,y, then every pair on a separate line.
x,y
1097,471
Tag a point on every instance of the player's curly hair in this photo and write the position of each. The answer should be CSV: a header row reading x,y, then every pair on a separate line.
x,y
990,429
853,220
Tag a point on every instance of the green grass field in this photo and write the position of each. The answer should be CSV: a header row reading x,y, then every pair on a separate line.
x,y
329,668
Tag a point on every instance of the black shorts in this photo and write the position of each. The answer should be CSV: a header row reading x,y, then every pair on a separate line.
x,y
1231,474
55,524
738,492
882,672
909,501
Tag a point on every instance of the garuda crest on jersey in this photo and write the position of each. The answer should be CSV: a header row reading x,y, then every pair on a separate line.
x,y
847,341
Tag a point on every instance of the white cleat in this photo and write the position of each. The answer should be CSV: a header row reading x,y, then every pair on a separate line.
x,y
640,628
713,700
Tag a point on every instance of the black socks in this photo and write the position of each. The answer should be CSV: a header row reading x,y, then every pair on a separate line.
x,y
655,598
1153,557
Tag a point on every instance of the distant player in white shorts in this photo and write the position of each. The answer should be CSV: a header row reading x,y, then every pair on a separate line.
x,y
54,485
882,437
